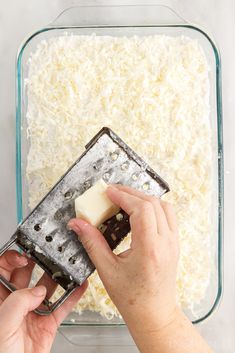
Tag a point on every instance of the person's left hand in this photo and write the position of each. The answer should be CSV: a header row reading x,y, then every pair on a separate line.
x,y
21,330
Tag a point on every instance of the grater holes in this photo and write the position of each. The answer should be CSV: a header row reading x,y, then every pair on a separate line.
x,y
114,155
72,260
57,275
48,238
145,186
119,217
37,227
68,195
134,176
97,165
113,236
58,215
102,228
106,176
87,184
61,248
125,166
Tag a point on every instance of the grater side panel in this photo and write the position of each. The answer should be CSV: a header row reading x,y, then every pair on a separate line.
x,y
107,157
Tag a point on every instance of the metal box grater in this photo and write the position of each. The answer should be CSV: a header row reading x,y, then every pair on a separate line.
x,y
44,236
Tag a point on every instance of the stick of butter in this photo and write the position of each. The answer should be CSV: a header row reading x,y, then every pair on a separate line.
x,y
94,206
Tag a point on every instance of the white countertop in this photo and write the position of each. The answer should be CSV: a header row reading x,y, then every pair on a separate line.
x,y
17,20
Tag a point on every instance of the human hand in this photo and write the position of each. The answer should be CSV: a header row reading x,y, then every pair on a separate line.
x,y
142,280
21,330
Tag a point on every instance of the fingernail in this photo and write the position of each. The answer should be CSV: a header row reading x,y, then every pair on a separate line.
x,y
74,226
23,261
77,228
69,227
39,291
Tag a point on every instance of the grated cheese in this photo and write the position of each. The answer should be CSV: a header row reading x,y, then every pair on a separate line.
x,y
154,92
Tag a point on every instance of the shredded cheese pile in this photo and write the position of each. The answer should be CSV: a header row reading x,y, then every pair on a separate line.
x,y
153,91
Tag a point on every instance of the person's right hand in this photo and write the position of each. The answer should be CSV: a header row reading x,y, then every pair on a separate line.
x,y
142,280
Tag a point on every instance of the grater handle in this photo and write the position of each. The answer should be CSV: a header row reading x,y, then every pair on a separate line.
x,y
117,15
12,288
46,302
55,305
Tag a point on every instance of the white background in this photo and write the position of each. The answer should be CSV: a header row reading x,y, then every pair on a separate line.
x,y
20,17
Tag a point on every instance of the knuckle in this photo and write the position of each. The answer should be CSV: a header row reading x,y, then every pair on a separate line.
x,y
167,205
88,245
146,207
153,199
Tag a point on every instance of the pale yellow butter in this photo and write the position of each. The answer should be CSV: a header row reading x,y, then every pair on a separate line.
x,y
94,205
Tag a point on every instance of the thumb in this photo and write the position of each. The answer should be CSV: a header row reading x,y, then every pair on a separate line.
x,y
17,305
94,243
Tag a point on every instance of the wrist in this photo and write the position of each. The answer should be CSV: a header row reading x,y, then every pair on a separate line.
x,y
144,322
149,331
177,335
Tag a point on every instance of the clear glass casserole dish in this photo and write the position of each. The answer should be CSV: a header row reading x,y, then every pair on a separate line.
x,y
129,21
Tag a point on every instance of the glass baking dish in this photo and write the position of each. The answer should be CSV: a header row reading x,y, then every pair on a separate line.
x,y
118,21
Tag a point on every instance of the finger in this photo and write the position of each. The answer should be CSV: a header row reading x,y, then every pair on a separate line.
x,y
128,203
22,276
171,216
132,191
10,261
61,313
162,224
142,215
159,212
94,243
16,306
